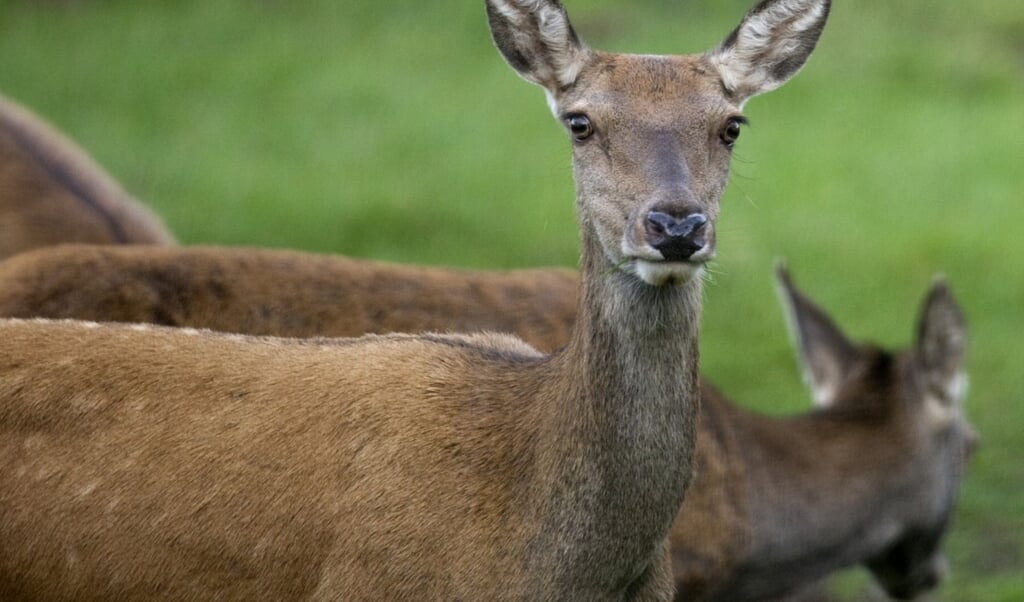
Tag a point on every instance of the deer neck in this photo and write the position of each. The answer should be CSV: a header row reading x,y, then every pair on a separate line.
x,y
824,491
621,428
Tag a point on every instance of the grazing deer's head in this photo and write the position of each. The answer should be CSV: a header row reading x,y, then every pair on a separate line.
x,y
652,135
919,392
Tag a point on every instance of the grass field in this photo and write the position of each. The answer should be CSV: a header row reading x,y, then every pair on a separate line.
x,y
393,130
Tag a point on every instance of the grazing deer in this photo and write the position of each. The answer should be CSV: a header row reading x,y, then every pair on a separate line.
x,y
52,192
722,538
158,463
869,477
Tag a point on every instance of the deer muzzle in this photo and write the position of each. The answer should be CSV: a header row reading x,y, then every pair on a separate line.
x,y
676,238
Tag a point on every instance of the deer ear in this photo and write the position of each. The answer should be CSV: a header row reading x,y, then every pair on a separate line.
x,y
769,46
823,351
941,344
537,40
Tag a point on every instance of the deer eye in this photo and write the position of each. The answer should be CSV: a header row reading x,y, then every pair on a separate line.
x,y
732,130
580,126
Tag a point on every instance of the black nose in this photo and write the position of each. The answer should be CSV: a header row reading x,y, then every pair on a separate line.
x,y
676,238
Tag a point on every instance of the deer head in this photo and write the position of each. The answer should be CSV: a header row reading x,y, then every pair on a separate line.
x,y
652,135
919,392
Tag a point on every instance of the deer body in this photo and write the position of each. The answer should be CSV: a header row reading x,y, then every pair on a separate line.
x,y
52,192
437,447
345,498
776,503
398,470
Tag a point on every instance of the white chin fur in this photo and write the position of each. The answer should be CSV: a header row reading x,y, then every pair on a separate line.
x,y
660,273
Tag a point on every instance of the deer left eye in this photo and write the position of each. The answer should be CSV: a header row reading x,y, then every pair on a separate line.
x,y
732,131
579,125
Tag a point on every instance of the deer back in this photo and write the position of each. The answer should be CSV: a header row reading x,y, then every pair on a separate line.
x,y
284,293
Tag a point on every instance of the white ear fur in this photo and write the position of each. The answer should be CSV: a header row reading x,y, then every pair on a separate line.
x,y
823,352
769,46
940,347
823,391
943,405
537,40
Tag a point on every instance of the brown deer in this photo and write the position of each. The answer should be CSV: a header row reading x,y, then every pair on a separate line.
x,y
159,463
51,192
869,477
721,539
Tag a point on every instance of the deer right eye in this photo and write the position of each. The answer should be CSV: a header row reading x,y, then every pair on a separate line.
x,y
732,130
580,126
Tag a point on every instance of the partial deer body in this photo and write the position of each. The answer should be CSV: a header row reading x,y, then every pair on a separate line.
x,y
284,293
52,192
722,539
869,477
166,464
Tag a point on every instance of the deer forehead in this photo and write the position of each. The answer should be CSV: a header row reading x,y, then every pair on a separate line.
x,y
640,86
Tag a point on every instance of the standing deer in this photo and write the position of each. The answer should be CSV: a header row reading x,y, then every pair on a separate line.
x,y
52,192
726,538
155,463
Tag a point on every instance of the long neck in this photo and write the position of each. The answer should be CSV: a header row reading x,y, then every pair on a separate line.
x,y
823,493
619,437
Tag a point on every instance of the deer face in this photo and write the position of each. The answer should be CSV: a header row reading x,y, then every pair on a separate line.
x,y
651,166
652,135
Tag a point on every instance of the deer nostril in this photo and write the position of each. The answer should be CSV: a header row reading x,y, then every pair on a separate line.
x,y
665,224
676,239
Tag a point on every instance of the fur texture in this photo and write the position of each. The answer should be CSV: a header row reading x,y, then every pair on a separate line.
x,y
722,537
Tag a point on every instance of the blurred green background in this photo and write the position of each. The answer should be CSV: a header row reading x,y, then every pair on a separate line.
x,y
393,130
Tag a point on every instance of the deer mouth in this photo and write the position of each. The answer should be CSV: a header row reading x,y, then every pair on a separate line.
x,y
664,273
650,266
659,259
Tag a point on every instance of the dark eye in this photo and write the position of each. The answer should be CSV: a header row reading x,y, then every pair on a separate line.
x,y
732,130
579,125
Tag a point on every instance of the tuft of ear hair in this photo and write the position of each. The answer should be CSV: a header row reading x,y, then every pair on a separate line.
x,y
769,46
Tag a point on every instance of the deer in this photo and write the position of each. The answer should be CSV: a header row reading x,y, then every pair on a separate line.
x,y
146,462
52,191
869,477
722,537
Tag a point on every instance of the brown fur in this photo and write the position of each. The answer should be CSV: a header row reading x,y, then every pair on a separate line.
x,y
295,294
286,293
52,192
283,293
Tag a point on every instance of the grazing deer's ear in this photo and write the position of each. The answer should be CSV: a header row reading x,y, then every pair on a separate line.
x,y
769,46
823,351
940,345
537,40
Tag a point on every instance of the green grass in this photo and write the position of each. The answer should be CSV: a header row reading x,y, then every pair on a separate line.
x,y
393,130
